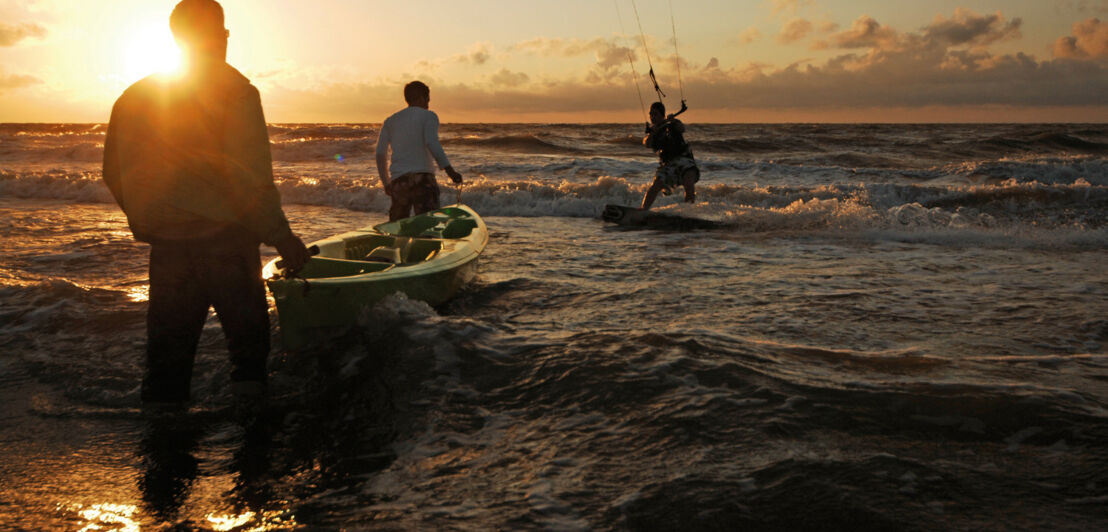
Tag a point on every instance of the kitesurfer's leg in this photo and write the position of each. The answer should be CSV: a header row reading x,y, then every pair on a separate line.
x,y
688,181
659,184
652,194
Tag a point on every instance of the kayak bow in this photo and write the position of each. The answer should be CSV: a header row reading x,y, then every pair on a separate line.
x,y
428,257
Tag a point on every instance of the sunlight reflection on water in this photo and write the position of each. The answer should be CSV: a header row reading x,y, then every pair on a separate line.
x,y
127,518
139,294
229,522
271,520
107,516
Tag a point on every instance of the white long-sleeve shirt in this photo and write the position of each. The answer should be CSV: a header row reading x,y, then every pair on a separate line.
x,y
413,135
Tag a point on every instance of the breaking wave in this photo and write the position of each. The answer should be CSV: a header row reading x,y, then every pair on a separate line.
x,y
514,144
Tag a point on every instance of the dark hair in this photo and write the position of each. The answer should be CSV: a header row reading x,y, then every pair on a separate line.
x,y
416,90
193,19
658,106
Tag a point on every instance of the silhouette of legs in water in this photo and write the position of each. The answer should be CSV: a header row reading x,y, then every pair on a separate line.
x,y
688,182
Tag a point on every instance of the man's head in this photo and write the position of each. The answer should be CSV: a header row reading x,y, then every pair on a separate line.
x,y
418,94
198,27
657,112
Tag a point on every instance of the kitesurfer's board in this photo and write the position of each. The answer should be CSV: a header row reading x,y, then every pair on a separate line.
x,y
636,217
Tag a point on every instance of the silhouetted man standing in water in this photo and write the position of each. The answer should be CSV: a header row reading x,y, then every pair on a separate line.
x,y
188,160
413,135
677,168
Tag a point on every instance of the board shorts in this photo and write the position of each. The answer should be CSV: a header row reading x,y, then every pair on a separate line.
x,y
670,173
416,191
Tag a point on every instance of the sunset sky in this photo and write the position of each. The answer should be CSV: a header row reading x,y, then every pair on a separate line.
x,y
566,60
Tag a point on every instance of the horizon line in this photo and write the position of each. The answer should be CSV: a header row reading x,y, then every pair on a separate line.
x,y
835,122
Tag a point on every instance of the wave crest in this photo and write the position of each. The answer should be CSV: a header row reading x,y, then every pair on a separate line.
x,y
514,144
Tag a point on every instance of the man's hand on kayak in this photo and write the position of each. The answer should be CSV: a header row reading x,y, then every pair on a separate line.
x,y
454,175
293,252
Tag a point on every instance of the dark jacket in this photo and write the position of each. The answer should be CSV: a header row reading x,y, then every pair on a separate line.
x,y
188,159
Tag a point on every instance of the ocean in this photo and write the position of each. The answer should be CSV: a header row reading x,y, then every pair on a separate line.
x,y
896,327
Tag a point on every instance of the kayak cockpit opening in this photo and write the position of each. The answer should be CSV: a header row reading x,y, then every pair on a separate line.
x,y
389,249
325,267
448,222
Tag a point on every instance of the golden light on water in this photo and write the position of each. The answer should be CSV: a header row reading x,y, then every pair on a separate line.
x,y
139,294
266,521
223,523
107,517
115,517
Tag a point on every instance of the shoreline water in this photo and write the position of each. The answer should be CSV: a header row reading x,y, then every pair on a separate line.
x,y
913,346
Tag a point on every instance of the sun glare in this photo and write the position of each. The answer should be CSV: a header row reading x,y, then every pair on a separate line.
x,y
150,50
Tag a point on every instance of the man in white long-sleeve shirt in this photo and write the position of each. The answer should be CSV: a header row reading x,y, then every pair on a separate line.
x,y
413,135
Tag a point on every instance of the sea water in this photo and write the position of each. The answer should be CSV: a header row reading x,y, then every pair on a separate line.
x,y
899,327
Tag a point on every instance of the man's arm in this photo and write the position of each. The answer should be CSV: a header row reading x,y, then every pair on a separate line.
x,y
431,140
660,130
250,170
112,174
383,139
651,132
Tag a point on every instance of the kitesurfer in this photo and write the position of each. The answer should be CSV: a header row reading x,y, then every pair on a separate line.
x,y
665,135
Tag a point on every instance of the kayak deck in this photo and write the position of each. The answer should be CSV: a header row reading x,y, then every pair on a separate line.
x,y
371,254
427,257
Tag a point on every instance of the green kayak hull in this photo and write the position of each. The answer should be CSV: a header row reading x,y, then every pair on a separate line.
x,y
427,257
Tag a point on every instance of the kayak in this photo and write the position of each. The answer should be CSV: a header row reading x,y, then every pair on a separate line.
x,y
428,257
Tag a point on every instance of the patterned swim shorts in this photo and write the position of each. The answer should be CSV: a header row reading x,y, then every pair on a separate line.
x,y
417,192
671,173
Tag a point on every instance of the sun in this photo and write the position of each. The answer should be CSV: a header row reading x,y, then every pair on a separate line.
x,y
150,50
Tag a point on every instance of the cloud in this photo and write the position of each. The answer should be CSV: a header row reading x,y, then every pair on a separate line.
x,y
507,78
1089,41
609,57
1087,6
847,83
966,27
1015,80
478,54
788,6
608,53
947,63
11,35
866,32
794,30
750,35
15,81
